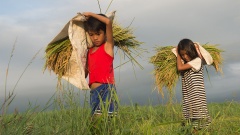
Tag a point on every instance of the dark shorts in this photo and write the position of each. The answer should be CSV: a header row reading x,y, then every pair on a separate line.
x,y
102,98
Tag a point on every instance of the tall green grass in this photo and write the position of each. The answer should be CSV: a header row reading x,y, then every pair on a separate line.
x,y
75,118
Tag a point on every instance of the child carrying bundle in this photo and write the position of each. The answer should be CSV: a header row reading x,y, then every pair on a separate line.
x,y
66,54
85,46
190,58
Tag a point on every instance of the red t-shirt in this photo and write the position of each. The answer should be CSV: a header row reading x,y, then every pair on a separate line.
x,y
100,66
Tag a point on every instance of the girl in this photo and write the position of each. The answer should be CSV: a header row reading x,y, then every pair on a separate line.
x,y
189,63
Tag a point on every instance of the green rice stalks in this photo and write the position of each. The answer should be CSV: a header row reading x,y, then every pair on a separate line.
x,y
165,68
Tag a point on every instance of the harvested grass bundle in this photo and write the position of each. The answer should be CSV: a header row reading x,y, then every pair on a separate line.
x,y
124,38
165,71
216,55
57,56
126,41
166,74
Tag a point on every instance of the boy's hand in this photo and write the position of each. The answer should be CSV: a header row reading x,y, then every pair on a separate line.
x,y
87,14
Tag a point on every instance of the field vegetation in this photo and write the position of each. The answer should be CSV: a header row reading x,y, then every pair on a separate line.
x,y
69,117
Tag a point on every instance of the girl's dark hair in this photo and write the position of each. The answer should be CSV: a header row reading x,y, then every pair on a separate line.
x,y
189,47
93,24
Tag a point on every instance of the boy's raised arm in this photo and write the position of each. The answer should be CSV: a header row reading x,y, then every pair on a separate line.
x,y
108,22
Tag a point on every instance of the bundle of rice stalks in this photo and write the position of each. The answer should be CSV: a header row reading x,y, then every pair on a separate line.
x,y
216,55
166,74
57,56
165,68
126,41
59,53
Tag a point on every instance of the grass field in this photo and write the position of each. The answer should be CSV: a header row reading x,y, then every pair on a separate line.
x,y
73,119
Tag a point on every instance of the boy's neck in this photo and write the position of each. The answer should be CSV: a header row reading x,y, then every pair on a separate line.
x,y
96,47
99,45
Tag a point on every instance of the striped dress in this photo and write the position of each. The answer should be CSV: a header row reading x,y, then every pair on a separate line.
x,y
194,98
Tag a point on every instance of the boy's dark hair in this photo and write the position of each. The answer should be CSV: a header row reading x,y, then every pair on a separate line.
x,y
93,24
189,47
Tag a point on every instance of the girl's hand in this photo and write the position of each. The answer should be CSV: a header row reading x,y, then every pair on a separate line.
x,y
198,51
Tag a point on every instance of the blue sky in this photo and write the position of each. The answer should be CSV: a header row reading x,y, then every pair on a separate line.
x,y
33,24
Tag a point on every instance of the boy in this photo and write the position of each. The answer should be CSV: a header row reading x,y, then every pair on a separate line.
x,y
100,62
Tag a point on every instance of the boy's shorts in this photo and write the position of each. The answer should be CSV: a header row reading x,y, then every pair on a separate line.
x,y
102,96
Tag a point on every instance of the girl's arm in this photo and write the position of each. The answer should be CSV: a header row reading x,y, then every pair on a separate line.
x,y
181,66
109,32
